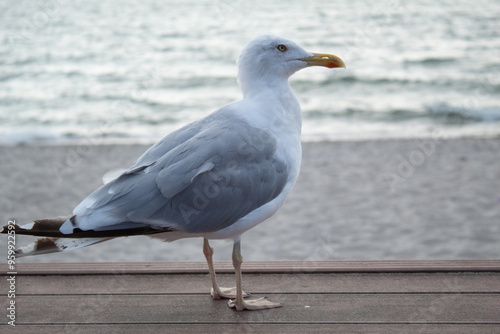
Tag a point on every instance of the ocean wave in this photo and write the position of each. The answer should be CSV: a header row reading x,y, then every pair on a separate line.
x,y
439,113
459,115
431,61
8,76
479,84
198,81
371,80
365,114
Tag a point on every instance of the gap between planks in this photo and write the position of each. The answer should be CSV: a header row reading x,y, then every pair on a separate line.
x,y
397,266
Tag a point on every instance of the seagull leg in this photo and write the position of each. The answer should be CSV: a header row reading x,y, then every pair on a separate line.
x,y
217,292
239,303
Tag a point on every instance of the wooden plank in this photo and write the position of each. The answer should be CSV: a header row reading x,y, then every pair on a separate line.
x,y
257,267
298,309
354,297
258,283
242,327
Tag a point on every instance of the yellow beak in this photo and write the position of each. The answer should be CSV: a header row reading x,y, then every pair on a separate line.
x,y
324,59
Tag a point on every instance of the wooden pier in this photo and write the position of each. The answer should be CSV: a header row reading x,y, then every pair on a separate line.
x,y
318,297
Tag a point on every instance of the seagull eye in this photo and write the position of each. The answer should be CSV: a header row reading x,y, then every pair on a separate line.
x,y
281,47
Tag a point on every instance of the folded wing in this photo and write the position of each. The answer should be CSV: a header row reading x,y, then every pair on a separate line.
x,y
200,179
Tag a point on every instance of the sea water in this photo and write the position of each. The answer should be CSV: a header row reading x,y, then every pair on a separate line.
x,y
129,71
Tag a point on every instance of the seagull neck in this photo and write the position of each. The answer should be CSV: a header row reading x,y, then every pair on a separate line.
x,y
277,107
265,85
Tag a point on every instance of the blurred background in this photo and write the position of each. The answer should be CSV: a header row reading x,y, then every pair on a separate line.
x,y
123,72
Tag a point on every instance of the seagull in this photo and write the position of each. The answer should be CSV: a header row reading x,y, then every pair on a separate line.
x,y
215,178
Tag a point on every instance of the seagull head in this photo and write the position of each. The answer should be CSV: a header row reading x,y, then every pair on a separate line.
x,y
269,60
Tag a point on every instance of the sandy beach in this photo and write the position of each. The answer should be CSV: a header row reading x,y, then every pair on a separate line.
x,y
359,200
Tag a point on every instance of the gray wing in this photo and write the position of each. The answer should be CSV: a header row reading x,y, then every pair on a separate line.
x,y
217,172
169,142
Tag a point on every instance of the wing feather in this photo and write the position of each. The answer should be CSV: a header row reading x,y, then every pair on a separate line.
x,y
201,179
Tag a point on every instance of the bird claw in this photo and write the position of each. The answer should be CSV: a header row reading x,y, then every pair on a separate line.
x,y
227,293
253,304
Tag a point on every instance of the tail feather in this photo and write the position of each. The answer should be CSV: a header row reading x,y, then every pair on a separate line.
x,y
51,228
53,245
42,227
55,241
